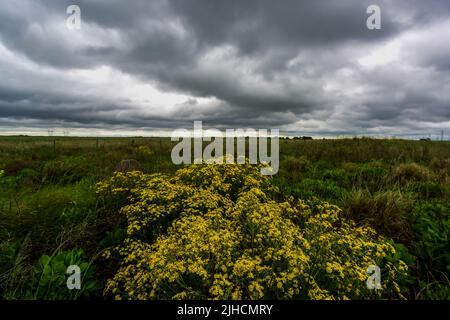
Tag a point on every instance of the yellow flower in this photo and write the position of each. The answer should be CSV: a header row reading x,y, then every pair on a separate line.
x,y
215,232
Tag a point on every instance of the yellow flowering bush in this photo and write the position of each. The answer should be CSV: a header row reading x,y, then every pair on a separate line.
x,y
217,232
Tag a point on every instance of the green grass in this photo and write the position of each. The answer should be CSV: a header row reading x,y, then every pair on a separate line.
x,y
48,205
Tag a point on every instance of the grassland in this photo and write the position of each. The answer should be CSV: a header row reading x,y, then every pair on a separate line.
x,y
51,216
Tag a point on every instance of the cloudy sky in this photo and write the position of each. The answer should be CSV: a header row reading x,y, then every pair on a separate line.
x,y
309,67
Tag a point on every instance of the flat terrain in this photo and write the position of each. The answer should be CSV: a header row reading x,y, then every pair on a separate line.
x,y
51,215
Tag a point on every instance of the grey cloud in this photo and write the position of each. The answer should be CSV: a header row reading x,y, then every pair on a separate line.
x,y
292,49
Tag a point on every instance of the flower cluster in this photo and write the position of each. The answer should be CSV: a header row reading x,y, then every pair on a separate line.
x,y
216,232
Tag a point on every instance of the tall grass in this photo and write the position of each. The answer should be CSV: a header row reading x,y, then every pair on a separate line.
x,y
47,200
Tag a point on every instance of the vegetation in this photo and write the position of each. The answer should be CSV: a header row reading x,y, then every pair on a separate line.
x,y
335,207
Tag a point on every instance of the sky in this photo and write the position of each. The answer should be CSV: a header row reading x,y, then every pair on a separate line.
x,y
142,67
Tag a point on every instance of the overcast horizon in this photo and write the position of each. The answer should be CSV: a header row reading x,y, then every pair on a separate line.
x,y
140,68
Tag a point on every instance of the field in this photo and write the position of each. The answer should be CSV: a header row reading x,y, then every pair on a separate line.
x,y
223,232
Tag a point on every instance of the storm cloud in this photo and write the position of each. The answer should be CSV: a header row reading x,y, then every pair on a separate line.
x,y
306,67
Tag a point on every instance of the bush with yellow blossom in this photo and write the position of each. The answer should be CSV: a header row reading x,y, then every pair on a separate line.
x,y
217,232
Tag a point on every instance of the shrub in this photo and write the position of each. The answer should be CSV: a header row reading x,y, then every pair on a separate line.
x,y
213,231
116,191
128,165
295,167
64,170
429,189
386,211
407,172
442,166
350,167
144,153
12,168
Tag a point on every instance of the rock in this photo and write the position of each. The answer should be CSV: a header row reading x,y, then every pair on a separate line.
x,y
128,165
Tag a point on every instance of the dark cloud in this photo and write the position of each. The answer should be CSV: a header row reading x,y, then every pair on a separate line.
x,y
308,66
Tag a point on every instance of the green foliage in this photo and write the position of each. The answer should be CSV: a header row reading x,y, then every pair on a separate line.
x,y
431,225
326,189
14,269
113,238
429,190
434,290
47,203
50,215
386,211
295,167
49,277
144,153
64,170
339,176
371,175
